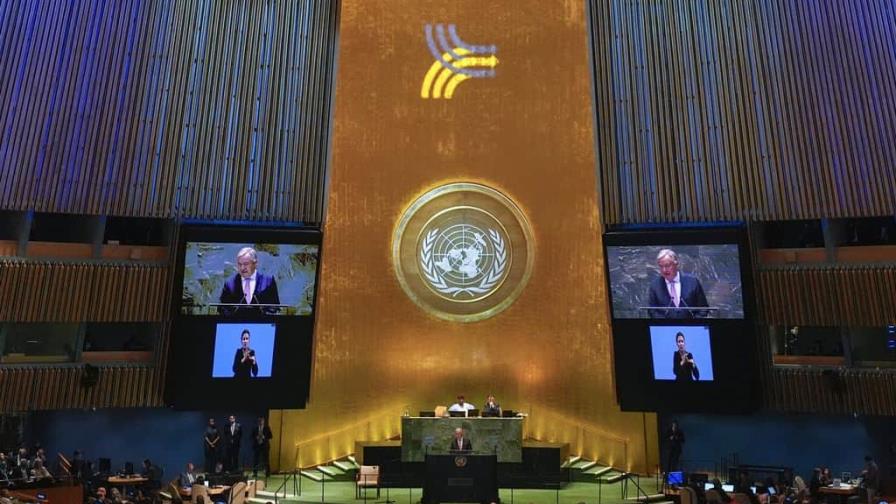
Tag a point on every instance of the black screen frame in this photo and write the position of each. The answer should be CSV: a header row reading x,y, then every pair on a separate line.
x,y
733,341
189,382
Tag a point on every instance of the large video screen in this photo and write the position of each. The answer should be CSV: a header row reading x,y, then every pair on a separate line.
x,y
233,278
675,281
681,303
244,317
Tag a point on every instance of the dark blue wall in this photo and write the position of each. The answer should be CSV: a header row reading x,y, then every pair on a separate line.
x,y
798,441
167,437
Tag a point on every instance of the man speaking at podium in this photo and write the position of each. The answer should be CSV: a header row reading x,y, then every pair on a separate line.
x,y
675,291
249,286
460,443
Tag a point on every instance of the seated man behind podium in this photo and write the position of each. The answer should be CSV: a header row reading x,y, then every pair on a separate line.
x,y
460,442
675,290
249,286
461,405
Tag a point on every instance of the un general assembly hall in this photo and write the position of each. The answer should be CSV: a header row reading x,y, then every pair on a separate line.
x,y
419,251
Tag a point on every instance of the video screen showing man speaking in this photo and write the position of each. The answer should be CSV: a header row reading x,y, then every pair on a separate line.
x,y
239,279
678,282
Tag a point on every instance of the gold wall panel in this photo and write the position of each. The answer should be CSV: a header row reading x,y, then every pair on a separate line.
x,y
528,133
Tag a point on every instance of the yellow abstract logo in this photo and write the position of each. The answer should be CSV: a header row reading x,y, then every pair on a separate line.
x,y
455,62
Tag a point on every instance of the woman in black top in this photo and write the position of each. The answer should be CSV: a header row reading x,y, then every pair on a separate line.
x,y
244,363
683,364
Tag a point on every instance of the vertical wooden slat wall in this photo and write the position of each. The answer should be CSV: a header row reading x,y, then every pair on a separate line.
x,y
47,291
41,388
166,108
745,109
859,296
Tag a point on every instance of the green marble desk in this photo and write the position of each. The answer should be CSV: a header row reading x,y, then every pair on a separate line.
x,y
501,436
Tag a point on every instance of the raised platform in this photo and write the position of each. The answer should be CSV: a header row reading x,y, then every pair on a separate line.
x,y
541,466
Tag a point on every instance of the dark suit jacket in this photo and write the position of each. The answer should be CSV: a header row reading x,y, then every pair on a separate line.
x,y
266,435
233,440
453,444
691,296
265,293
242,369
686,372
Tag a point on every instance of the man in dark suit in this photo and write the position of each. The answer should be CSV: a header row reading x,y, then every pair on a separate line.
x,y
233,436
675,290
249,286
460,442
261,447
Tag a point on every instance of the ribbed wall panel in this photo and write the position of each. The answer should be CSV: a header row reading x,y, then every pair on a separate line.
x,y
863,296
44,388
165,108
836,392
49,291
745,109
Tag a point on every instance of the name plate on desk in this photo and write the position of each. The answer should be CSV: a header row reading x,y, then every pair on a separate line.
x,y
490,436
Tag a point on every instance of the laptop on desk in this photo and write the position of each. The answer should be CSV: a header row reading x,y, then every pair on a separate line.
x,y
455,414
508,413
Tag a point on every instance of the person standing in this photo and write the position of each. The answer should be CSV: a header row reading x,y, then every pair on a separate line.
x,y
261,447
675,438
211,442
234,436
871,479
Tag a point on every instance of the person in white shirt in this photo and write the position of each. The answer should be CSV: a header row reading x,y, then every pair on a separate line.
x,y
461,405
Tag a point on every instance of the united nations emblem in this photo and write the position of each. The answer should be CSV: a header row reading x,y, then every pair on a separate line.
x,y
463,251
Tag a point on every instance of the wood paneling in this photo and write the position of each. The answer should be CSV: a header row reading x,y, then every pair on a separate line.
x,y
82,292
744,109
840,391
836,295
166,108
43,388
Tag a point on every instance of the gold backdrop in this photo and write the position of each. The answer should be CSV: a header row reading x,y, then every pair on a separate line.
x,y
529,133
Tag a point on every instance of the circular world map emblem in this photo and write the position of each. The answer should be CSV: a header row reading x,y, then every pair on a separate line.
x,y
463,251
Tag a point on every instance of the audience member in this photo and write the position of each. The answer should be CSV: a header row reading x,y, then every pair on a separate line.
x,y
188,477
723,495
5,496
39,471
101,496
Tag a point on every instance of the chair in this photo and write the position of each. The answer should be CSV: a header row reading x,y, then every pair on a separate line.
x,y
740,498
367,477
688,495
238,493
171,493
198,492
441,411
713,496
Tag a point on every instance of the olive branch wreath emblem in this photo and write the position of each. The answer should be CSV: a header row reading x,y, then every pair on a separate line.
x,y
431,272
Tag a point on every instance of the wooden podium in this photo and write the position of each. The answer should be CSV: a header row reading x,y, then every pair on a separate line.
x,y
461,478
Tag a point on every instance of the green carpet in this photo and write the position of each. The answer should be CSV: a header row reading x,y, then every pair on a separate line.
x,y
344,492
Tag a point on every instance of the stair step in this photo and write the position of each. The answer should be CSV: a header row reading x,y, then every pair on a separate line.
x,y
599,471
331,471
587,466
345,466
315,475
351,458
572,460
